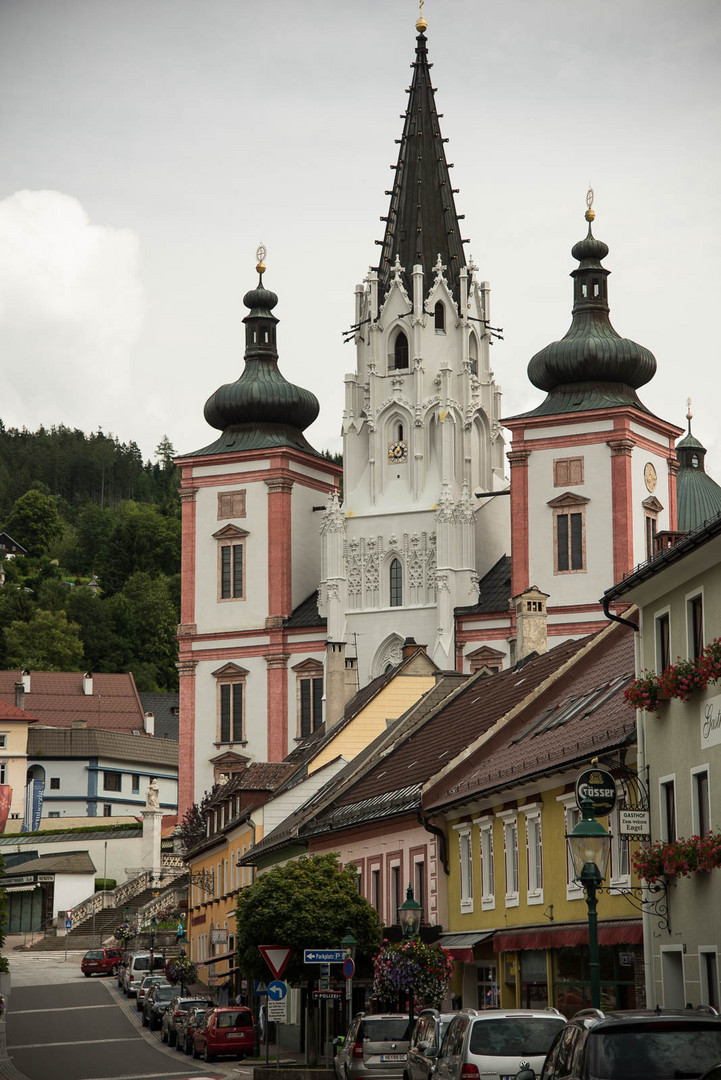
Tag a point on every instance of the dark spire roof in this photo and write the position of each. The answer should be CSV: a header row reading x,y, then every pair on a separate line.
x,y
698,497
592,366
261,409
422,222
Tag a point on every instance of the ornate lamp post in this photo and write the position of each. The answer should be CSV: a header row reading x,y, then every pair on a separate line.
x,y
409,917
589,846
350,944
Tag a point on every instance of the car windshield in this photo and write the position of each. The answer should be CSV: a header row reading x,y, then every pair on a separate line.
x,y
512,1035
232,1019
192,1003
165,993
385,1030
667,1051
151,980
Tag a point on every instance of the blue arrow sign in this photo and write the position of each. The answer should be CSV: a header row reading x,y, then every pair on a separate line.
x,y
324,956
277,990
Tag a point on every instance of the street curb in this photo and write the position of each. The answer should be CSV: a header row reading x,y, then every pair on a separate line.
x,y
8,1071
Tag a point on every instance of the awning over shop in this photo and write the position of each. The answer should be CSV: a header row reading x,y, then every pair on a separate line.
x,y
18,888
610,932
216,959
461,945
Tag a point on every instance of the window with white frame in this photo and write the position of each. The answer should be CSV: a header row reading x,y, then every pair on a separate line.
x,y
662,635
534,852
620,871
700,806
465,855
572,816
488,883
694,625
667,807
708,973
510,851
3,741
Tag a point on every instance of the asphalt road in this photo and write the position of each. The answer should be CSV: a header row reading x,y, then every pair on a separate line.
x,y
62,1026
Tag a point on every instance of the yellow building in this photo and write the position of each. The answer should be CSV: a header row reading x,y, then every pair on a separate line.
x,y
517,920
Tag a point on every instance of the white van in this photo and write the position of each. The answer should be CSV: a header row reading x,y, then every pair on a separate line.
x,y
137,967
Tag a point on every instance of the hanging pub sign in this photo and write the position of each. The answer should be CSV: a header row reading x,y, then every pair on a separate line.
x,y
599,787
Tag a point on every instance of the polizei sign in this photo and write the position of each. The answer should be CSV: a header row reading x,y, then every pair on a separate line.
x,y
599,787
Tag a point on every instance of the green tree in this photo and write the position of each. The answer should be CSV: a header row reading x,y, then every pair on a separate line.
x,y
34,522
47,642
306,904
155,622
165,452
143,540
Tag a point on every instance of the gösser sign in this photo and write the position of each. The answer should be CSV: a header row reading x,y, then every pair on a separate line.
x,y
711,721
598,786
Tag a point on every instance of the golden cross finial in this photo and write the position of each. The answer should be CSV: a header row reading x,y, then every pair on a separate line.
x,y
590,214
421,25
260,256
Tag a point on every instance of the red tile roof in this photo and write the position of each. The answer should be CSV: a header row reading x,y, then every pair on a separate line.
x,y
8,711
57,699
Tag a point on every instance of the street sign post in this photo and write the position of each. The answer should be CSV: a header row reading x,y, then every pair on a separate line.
x,y
349,967
276,957
327,995
259,987
277,1000
634,823
324,956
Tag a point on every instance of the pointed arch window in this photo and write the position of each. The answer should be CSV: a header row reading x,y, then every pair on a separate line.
x,y
396,583
439,314
473,353
400,351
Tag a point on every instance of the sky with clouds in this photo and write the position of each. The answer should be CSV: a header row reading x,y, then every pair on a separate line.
x,y
150,145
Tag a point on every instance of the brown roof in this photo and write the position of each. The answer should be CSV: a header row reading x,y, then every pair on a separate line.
x,y
66,862
8,711
470,711
57,699
581,715
84,742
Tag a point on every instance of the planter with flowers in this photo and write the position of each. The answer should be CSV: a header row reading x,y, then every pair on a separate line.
x,y
678,858
679,680
412,965
181,969
125,930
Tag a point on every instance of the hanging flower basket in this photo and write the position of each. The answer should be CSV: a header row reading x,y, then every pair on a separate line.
x,y
679,680
125,930
181,969
678,858
412,965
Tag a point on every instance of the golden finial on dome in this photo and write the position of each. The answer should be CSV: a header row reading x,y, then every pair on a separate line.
x,y
590,214
689,414
260,256
421,24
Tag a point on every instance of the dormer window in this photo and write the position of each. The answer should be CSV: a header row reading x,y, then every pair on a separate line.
x,y
400,351
439,313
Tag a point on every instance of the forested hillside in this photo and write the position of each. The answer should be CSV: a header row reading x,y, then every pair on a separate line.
x,y
88,509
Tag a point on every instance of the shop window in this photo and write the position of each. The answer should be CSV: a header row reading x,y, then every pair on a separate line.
x,y
465,855
694,620
568,472
112,781
663,641
231,504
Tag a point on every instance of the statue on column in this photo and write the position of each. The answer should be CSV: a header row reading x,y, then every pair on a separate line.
x,y
152,798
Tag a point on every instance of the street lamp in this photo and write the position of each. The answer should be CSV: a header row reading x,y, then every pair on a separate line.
x,y
589,846
153,926
409,917
350,944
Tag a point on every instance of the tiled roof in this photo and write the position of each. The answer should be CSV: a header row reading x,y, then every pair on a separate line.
x,y
583,715
112,832
69,862
56,699
165,708
85,742
494,590
306,614
264,775
686,544
8,711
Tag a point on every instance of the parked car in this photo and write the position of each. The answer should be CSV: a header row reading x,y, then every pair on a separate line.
x,y
500,1042
137,967
185,1029
156,1001
225,1031
124,957
177,1010
148,981
375,1046
430,1027
100,962
624,1045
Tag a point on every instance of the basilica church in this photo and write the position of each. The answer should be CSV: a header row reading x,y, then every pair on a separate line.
x,y
302,581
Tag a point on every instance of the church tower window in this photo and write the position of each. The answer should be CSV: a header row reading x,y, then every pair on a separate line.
x,y
231,571
396,583
440,316
400,351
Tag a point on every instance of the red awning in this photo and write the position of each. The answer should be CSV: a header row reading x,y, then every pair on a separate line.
x,y
610,932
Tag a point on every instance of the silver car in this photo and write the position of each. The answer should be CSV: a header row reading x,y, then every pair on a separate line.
x,y
375,1048
426,1040
497,1043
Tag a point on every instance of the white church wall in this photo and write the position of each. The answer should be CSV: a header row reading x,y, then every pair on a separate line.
x,y
305,539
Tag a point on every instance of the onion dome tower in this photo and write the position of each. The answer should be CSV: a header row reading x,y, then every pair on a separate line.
x,y
698,497
592,367
261,409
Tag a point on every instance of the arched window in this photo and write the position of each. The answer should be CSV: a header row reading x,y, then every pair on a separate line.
x,y
400,351
473,353
399,432
440,315
396,582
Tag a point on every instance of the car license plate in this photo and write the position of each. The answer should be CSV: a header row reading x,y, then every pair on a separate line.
x,y
393,1057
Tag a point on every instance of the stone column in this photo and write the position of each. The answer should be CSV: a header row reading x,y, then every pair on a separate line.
x,y
152,825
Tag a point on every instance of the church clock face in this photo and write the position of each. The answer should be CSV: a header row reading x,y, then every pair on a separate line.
x,y
649,476
398,451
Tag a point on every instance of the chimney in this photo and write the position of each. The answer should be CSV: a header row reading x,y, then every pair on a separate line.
x,y
150,723
20,694
340,682
351,677
531,622
88,683
25,676
410,645
79,723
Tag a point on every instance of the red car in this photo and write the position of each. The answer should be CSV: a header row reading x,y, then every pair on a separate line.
x,y
224,1032
101,962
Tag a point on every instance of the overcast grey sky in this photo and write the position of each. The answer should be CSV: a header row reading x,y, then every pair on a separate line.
x,y
149,145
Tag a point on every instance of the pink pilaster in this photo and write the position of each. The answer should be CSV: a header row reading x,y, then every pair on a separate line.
x,y
186,734
519,520
280,580
622,502
277,705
